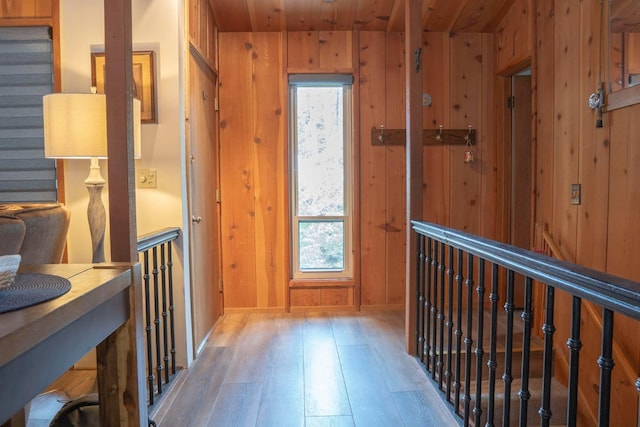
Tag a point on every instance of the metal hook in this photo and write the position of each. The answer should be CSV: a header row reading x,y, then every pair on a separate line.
x,y
382,136
467,138
440,135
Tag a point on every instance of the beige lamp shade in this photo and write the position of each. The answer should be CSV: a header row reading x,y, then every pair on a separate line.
x,y
75,125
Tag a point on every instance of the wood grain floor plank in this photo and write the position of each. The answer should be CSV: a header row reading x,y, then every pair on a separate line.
x,y
251,350
402,372
282,401
420,408
237,406
371,401
194,401
343,421
324,389
227,330
347,329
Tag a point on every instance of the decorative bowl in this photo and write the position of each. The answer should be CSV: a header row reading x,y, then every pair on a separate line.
x,y
8,268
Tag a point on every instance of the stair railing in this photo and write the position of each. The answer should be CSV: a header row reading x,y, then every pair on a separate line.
x,y
446,260
156,255
620,356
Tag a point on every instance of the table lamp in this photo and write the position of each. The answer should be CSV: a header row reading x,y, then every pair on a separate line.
x,y
75,127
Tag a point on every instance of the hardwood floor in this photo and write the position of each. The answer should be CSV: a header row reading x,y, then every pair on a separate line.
x,y
338,369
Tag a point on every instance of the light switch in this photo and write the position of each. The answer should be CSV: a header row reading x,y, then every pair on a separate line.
x,y
576,191
146,178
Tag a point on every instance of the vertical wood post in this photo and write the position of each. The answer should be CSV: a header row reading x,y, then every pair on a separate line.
x,y
120,364
413,42
119,93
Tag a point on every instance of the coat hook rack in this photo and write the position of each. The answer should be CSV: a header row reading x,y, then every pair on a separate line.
x,y
439,136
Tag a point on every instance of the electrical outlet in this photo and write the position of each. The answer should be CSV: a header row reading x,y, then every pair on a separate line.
x,y
576,191
146,178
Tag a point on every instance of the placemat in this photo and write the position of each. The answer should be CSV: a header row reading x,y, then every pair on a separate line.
x,y
32,288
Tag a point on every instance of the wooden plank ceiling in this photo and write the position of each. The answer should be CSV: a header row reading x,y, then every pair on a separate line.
x,y
365,15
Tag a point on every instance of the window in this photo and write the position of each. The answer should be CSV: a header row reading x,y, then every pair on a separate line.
x,y
26,74
322,158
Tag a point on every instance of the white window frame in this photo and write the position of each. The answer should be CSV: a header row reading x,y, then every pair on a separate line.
x,y
346,81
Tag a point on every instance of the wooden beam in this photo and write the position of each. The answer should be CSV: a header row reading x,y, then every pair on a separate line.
x,y
413,62
121,382
119,93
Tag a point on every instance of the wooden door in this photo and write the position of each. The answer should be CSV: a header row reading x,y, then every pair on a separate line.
x,y
206,300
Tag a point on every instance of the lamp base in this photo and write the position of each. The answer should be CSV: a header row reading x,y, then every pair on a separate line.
x,y
97,221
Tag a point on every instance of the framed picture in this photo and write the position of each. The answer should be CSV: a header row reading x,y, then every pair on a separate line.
x,y
143,81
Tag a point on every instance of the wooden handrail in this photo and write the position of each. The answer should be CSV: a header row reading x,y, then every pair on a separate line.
x,y
620,355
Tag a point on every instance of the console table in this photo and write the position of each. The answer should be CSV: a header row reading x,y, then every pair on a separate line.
x,y
41,342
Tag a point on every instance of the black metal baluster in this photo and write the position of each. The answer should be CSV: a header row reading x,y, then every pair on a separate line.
x,y
508,356
156,321
527,317
448,372
441,318
605,361
493,363
420,298
434,312
171,310
548,329
574,345
477,410
468,340
427,306
147,306
456,382
165,313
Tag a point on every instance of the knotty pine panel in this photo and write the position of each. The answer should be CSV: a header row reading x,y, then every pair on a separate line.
x,y
436,158
17,8
514,36
566,126
237,170
267,15
330,297
335,50
623,243
269,160
487,145
566,143
202,30
396,166
320,51
302,50
466,106
372,54
544,82
593,163
27,8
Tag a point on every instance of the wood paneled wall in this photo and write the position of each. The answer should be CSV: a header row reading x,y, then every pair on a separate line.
x,y
459,78
26,9
514,37
203,31
600,232
253,169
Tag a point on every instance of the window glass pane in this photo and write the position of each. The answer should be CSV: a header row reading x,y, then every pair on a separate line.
x,y
320,151
321,245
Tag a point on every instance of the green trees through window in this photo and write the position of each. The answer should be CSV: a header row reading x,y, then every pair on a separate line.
x,y
321,139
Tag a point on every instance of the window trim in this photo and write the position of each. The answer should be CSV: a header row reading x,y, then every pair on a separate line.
x,y
315,80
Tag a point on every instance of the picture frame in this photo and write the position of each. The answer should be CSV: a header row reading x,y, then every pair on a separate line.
x,y
143,81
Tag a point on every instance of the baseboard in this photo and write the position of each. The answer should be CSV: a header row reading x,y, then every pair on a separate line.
x,y
253,310
383,307
323,308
